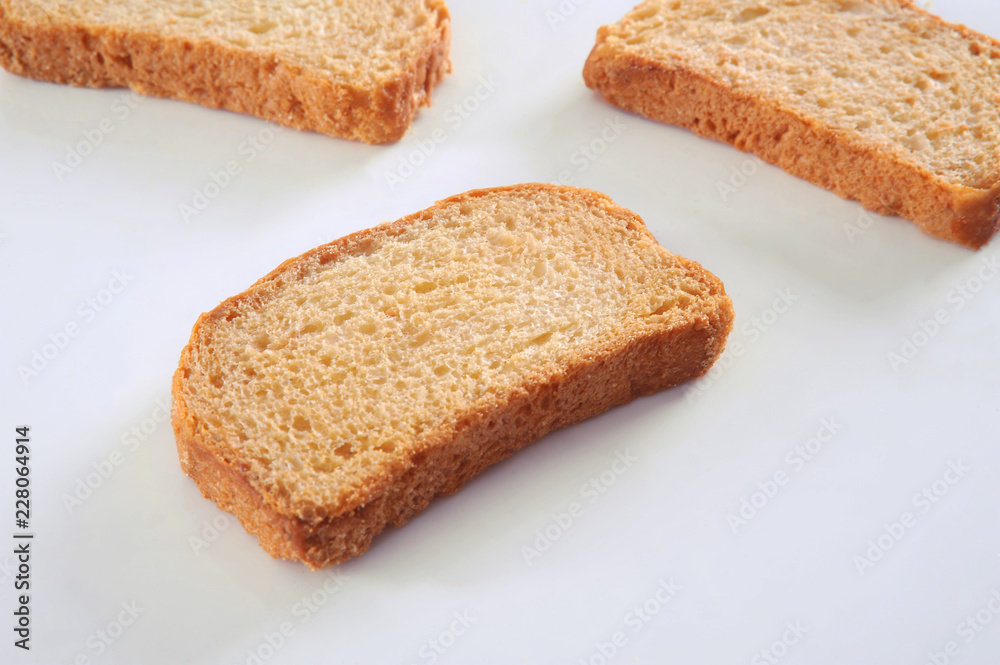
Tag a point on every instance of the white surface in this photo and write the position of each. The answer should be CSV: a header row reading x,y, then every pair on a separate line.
x,y
665,517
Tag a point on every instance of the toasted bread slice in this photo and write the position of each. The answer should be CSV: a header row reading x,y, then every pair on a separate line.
x,y
875,100
353,384
352,69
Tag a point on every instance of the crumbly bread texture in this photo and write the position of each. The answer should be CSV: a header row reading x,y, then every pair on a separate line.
x,y
875,100
351,385
356,69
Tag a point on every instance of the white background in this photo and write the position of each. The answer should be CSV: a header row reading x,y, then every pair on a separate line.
x,y
666,518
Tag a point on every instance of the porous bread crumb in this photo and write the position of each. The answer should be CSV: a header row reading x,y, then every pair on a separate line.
x,y
462,332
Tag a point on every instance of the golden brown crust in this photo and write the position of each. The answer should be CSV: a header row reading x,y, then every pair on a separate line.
x,y
220,75
829,157
641,362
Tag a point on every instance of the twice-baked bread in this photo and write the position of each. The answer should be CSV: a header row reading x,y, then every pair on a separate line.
x,y
356,69
875,100
351,385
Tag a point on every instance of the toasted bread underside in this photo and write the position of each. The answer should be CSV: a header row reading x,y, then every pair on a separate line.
x,y
355,70
875,100
353,384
